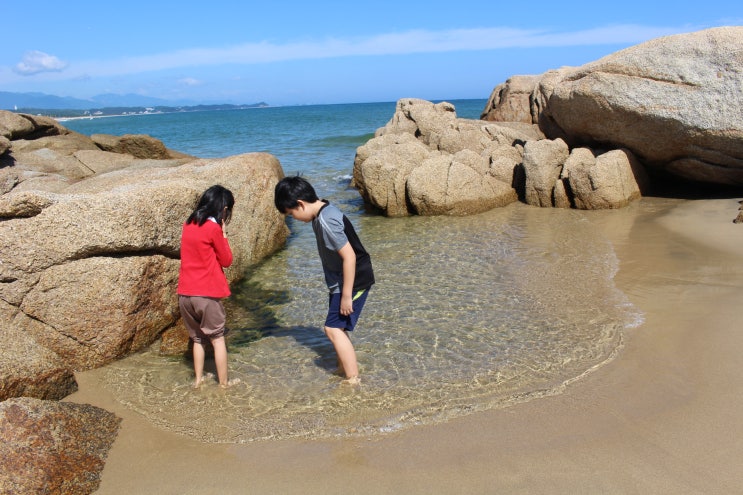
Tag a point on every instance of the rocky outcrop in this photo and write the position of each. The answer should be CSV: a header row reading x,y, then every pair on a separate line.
x,y
427,161
588,137
674,102
511,101
42,145
93,269
53,447
89,266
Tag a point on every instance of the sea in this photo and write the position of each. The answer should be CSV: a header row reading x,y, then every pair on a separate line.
x,y
468,313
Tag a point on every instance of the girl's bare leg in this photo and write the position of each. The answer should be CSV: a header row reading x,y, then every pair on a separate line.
x,y
220,359
198,364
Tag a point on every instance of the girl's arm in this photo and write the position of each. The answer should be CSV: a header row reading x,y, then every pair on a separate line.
x,y
349,273
222,248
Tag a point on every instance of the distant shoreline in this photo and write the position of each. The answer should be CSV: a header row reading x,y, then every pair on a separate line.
x,y
77,114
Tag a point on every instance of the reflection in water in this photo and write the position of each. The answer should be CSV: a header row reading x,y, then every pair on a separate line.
x,y
468,313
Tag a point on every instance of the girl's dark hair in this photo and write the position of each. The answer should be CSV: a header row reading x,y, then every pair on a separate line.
x,y
217,202
290,190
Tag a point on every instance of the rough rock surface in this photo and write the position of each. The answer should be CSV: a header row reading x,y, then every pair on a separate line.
x,y
511,100
611,180
427,161
675,102
93,270
28,369
53,447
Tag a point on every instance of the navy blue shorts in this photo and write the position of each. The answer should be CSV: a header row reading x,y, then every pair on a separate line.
x,y
336,320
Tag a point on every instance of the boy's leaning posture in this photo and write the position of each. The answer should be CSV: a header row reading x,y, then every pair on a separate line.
x,y
346,264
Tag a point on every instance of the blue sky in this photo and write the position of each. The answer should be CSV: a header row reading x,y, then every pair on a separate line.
x,y
292,52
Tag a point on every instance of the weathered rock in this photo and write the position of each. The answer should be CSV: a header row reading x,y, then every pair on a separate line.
x,y
17,180
24,204
675,102
94,270
28,369
136,145
53,447
41,144
543,161
13,125
511,101
381,171
611,180
422,132
442,185
504,161
4,144
99,162
68,316
51,154
45,126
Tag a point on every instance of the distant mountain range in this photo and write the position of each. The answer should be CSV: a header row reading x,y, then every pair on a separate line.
x,y
101,104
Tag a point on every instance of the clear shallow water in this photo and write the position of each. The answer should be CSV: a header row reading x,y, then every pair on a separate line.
x,y
468,313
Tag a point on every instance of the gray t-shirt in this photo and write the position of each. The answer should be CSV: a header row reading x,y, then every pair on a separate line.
x,y
332,231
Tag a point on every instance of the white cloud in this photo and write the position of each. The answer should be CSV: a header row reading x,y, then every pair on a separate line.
x,y
35,61
403,43
190,81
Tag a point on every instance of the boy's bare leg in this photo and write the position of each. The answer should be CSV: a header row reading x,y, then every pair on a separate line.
x,y
345,351
198,364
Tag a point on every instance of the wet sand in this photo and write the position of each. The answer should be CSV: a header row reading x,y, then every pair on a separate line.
x,y
663,417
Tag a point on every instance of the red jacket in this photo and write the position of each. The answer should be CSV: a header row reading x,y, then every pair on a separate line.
x,y
204,253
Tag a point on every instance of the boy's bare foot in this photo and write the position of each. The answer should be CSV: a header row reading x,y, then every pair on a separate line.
x,y
229,383
198,383
352,380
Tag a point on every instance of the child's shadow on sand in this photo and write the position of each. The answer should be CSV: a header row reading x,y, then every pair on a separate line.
x,y
251,319
314,339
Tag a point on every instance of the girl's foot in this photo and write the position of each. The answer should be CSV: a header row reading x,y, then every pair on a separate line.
x,y
198,383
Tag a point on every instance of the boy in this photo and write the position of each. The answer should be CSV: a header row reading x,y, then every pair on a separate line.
x,y
346,264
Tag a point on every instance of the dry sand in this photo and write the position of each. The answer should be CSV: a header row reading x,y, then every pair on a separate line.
x,y
666,416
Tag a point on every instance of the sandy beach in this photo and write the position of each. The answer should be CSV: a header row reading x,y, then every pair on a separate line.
x,y
663,417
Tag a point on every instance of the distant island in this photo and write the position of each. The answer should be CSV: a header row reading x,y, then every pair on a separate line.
x,y
114,111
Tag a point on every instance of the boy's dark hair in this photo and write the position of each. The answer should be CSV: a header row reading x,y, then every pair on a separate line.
x,y
290,190
212,204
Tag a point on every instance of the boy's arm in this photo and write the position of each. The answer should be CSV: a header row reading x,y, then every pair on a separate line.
x,y
349,273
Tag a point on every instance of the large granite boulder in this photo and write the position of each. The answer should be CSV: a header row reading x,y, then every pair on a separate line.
x,y
381,170
610,180
673,102
465,190
93,269
89,261
543,162
53,447
457,166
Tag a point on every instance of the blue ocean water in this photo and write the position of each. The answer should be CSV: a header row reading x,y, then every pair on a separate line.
x,y
468,313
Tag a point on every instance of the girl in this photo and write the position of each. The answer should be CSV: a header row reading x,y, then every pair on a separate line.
x,y
205,252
